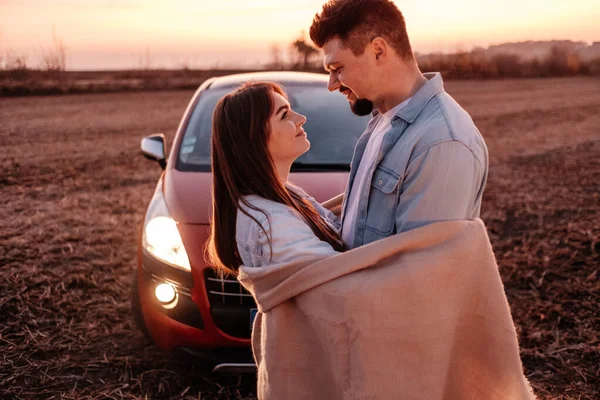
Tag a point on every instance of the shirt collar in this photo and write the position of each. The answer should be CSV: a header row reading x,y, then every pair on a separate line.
x,y
410,112
432,87
389,114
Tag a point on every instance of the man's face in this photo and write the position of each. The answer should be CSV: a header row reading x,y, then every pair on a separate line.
x,y
349,74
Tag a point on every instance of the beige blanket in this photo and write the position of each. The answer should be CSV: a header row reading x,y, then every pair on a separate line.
x,y
421,315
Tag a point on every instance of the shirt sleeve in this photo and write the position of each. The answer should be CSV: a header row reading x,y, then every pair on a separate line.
x,y
292,240
443,183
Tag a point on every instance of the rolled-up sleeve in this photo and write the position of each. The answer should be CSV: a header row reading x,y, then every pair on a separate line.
x,y
443,183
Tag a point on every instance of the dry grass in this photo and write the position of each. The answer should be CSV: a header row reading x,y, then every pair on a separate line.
x,y
73,190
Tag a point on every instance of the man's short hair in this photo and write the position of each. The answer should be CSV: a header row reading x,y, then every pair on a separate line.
x,y
357,22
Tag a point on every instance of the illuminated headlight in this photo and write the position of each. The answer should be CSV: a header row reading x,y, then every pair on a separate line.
x,y
161,237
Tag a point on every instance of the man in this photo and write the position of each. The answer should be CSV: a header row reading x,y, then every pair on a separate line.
x,y
421,158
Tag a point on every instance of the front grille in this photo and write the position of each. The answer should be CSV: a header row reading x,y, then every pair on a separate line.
x,y
230,304
226,290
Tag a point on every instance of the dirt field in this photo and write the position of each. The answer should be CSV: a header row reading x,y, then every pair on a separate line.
x,y
73,189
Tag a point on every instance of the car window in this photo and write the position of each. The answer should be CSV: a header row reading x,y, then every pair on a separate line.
x,y
331,127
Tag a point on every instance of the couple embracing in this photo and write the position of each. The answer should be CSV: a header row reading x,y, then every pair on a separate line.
x,y
395,294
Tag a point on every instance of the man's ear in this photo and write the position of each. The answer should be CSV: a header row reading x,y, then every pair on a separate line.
x,y
380,47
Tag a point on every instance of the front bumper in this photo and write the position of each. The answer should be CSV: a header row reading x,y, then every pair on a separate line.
x,y
189,325
183,310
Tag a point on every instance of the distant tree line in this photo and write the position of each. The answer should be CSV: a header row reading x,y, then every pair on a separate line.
x,y
302,56
53,60
476,64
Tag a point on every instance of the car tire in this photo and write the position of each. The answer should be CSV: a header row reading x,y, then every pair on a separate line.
x,y
136,307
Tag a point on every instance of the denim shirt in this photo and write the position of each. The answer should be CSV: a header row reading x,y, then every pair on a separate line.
x,y
291,238
432,166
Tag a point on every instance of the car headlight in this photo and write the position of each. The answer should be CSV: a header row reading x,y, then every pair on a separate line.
x,y
160,236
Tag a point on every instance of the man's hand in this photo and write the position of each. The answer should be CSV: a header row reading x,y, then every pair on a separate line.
x,y
334,204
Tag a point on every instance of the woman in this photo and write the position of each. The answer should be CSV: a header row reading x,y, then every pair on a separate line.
x,y
259,218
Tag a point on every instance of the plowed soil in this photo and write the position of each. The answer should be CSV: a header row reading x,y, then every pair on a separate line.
x,y
74,187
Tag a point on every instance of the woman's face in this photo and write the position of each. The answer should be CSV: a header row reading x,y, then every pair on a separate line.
x,y
287,140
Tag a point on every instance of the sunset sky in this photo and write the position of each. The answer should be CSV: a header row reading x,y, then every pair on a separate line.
x,y
114,34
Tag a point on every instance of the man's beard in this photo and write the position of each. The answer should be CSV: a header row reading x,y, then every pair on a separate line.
x,y
362,107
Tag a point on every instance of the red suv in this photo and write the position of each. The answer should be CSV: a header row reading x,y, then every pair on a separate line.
x,y
176,299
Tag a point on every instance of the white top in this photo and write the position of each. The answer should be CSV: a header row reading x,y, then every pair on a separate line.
x,y
366,169
292,239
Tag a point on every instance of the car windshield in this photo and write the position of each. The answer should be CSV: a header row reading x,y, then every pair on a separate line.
x,y
332,129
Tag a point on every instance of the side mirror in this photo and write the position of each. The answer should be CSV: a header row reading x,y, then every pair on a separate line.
x,y
154,148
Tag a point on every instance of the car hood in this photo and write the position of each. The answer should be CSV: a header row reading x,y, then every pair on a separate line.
x,y
188,194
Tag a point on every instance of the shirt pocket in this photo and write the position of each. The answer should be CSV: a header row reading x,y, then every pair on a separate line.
x,y
383,201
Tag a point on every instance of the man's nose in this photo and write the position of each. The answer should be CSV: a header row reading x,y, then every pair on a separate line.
x,y
334,83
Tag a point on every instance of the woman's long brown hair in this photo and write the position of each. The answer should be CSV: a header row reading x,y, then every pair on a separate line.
x,y
242,165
